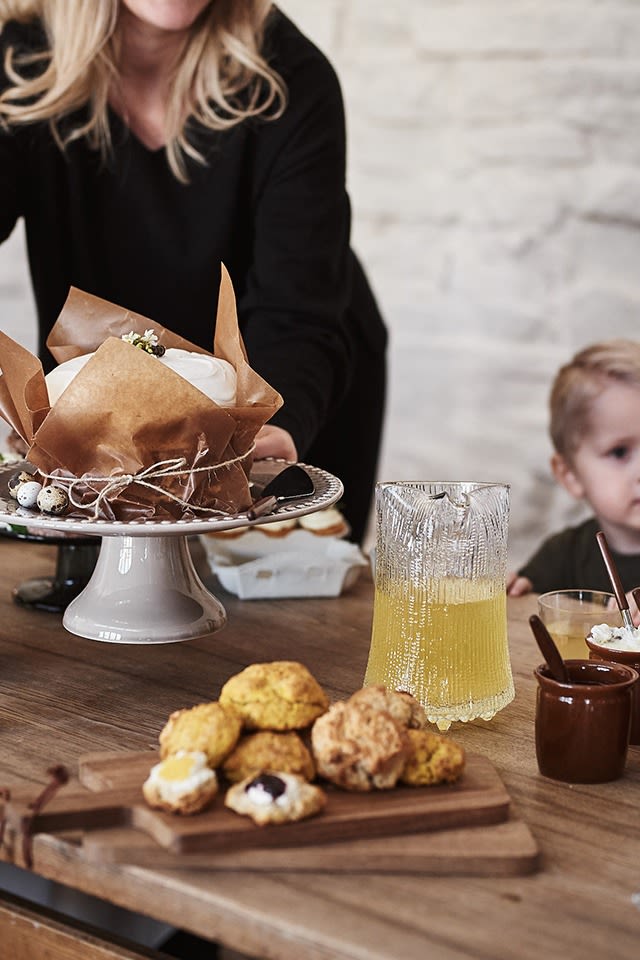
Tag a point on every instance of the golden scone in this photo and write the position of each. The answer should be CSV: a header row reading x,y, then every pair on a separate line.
x,y
267,750
275,797
210,727
433,759
183,783
404,708
278,695
359,747
325,523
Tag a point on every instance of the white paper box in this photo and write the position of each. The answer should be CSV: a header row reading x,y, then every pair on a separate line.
x,y
300,564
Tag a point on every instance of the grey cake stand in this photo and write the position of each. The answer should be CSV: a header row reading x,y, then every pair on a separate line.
x,y
145,588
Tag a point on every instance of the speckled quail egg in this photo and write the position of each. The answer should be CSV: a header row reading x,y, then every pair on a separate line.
x,y
53,500
16,480
27,495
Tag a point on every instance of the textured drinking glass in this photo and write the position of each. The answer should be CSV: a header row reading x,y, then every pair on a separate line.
x,y
440,617
569,615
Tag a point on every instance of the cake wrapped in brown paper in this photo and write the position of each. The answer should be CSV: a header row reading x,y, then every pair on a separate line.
x,y
129,437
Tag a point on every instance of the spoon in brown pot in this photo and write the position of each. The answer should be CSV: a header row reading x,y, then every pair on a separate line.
x,y
550,652
616,583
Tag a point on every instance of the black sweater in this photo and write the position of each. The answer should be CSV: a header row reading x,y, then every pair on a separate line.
x,y
271,204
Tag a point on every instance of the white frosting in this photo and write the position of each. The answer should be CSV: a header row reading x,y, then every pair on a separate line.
x,y
62,375
261,797
172,791
212,376
616,638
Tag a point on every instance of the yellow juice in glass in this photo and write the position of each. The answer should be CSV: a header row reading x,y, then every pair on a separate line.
x,y
445,641
570,639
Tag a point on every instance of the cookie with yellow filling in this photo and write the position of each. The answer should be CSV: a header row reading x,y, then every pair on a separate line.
x,y
212,728
183,783
275,797
277,695
268,750
432,759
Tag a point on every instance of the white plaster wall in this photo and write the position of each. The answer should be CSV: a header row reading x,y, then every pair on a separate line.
x,y
494,174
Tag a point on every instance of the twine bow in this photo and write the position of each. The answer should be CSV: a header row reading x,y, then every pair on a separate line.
x,y
115,484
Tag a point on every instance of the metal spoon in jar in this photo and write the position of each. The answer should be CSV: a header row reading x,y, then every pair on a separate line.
x,y
616,583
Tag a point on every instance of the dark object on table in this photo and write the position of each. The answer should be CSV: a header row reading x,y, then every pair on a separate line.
x,y
75,563
187,946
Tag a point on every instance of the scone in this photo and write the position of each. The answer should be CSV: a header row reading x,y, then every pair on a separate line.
x,y
402,706
231,534
210,727
418,717
359,747
183,783
433,759
267,750
325,523
278,528
278,695
275,797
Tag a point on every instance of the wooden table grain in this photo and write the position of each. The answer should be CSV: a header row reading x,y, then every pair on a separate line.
x,y
62,696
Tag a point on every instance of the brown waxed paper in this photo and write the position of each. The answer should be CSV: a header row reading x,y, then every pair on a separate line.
x,y
125,412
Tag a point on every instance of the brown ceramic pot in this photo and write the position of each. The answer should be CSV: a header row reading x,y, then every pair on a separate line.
x,y
630,658
582,727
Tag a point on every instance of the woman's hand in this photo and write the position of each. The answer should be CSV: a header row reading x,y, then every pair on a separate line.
x,y
272,441
518,586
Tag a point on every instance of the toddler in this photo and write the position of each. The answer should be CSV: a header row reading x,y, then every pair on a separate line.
x,y
595,430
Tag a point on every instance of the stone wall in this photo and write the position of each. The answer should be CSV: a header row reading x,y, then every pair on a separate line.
x,y
493,170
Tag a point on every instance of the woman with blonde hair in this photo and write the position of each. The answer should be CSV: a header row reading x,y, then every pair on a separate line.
x,y
144,142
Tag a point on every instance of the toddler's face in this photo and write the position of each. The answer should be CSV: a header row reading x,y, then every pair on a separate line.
x,y
606,466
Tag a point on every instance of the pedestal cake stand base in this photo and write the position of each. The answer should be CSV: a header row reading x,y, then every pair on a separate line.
x,y
144,590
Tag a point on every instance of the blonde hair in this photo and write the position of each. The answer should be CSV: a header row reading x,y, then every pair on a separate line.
x,y
220,79
579,382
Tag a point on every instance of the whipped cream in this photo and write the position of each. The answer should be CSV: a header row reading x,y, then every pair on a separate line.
x,y
180,774
616,638
212,376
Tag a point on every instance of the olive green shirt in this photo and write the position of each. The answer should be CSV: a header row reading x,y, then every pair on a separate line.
x,y
572,560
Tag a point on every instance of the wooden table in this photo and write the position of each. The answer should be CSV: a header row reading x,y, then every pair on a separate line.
x,y
62,696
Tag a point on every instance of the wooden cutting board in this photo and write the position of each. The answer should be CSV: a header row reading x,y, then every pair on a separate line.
x,y
461,829
504,849
479,797
501,850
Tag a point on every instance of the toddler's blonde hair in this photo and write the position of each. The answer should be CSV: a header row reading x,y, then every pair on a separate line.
x,y
579,382
220,79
